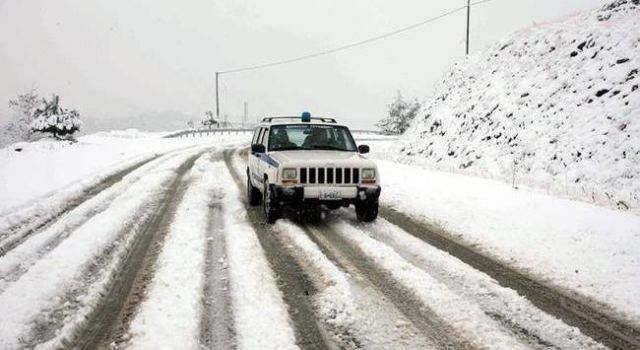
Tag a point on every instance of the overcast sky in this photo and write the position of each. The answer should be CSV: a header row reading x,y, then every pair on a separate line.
x,y
120,58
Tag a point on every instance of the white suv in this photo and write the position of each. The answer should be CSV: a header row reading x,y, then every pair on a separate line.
x,y
306,163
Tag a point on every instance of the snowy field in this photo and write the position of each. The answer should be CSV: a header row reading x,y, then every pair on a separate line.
x,y
213,259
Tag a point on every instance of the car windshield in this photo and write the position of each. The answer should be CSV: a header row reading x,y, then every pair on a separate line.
x,y
310,137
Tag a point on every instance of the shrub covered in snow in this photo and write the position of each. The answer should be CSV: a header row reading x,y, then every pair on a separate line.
x,y
555,106
55,120
401,114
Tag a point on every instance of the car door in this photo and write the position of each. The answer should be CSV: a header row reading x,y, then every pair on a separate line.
x,y
254,159
262,164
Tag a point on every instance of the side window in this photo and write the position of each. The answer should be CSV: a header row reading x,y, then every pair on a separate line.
x,y
265,137
259,138
256,133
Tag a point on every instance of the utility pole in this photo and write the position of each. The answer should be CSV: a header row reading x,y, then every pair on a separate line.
x,y
217,98
468,20
246,113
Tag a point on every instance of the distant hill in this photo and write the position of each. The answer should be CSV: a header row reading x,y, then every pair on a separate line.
x,y
148,121
557,105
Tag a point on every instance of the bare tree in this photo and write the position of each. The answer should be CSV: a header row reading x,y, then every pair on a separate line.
x,y
19,127
26,103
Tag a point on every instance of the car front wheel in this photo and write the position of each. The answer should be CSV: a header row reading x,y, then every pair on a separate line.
x,y
269,206
253,194
367,211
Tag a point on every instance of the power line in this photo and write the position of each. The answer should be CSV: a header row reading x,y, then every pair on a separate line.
x,y
352,45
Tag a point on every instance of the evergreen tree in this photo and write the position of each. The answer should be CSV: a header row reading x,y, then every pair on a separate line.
x,y
400,115
55,120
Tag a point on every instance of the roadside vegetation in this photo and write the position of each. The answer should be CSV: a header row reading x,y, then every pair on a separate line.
x,y
35,117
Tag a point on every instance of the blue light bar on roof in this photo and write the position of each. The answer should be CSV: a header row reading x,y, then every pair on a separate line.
x,y
306,117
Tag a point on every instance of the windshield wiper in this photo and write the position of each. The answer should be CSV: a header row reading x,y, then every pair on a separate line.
x,y
328,147
287,148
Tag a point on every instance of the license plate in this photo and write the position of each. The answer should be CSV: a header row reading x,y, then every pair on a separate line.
x,y
329,194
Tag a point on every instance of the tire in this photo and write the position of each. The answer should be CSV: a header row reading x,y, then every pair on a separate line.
x,y
253,194
367,211
313,214
270,209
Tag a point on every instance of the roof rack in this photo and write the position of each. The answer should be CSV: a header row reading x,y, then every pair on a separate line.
x,y
324,120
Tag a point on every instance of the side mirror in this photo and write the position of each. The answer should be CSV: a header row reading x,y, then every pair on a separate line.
x,y
363,149
257,148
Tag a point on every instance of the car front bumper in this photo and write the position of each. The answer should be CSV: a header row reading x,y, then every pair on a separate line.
x,y
300,194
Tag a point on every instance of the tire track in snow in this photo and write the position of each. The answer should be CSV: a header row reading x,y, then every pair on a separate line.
x,y
434,328
571,308
21,222
171,315
355,312
295,285
108,323
52,301
216,325
514,312
16,233
18,260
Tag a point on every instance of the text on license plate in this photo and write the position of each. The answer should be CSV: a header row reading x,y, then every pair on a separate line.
x,y
328,194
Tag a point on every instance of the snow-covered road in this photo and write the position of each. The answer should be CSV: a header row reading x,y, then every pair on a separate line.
x,y
166,255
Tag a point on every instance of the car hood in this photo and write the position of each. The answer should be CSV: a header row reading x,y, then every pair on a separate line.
x,y
321,158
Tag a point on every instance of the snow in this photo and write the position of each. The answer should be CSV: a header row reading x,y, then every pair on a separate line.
x,y
465,317
261,317
48,167
577,246
486,292
335,301
20,258
345,303
580,247
555,107
61,270
170,315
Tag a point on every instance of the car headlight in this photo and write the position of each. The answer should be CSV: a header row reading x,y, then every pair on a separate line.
x,y
368,174
289,173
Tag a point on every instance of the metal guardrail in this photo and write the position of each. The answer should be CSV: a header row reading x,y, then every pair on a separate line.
x,y
207,132
229,131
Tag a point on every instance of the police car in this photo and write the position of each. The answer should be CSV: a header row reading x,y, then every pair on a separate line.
x,y
308,163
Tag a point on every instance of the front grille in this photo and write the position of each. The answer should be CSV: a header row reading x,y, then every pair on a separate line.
x,y
332,176
312,175
303,175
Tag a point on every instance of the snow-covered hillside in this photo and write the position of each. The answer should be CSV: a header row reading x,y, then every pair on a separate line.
x,y
555,106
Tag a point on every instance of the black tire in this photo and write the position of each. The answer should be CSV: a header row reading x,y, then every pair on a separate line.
x,y
313,214
253,194
367,211
270,208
